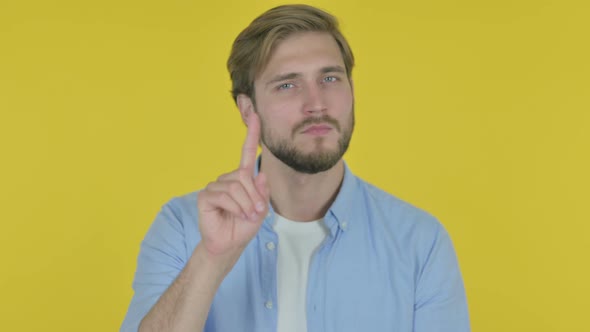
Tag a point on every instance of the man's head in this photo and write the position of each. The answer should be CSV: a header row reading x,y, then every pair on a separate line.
x,y
254,46
292,67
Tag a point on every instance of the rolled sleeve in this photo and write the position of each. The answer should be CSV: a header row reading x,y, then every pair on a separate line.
x,y
441,304
161,258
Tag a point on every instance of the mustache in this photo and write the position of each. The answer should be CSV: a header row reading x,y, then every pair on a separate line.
x,y
318,120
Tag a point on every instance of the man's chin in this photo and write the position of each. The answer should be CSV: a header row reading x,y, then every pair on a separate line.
x,y
307,158
317,154
316,162
318,149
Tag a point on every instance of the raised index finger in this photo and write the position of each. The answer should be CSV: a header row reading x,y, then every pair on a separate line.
x,y
251,143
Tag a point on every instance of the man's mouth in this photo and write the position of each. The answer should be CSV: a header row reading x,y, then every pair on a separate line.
x,y
319,129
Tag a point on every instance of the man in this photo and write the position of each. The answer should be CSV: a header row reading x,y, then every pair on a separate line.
x,y
293,241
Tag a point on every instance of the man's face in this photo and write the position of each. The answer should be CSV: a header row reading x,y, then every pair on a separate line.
x,y
305,103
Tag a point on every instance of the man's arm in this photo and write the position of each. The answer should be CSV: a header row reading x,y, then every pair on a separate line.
x,y
185,305
230,213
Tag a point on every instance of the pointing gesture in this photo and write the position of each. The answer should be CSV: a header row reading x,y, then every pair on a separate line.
x,y
232,208
251,143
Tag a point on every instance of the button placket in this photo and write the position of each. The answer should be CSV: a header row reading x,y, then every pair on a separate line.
x,y
268,249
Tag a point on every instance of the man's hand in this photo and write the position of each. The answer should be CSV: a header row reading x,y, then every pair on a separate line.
x,y
231,209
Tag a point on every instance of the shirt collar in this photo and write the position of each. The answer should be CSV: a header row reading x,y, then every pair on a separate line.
x,y
342,206
341,209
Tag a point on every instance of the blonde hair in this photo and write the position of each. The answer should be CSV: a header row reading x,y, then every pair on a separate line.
x,y
252,49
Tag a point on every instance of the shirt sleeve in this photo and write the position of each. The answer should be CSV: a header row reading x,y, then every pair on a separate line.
x,y
441,304
161,258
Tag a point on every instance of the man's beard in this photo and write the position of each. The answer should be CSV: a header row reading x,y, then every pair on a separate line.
x,y
313,162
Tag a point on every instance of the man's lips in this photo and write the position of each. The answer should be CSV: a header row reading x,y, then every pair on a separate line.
x,y
317,129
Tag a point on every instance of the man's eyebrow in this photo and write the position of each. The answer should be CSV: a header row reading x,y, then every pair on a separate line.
x,y
282,77
333,69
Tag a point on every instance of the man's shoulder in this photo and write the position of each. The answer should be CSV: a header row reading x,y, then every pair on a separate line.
x,y
182,208
184,201
393,209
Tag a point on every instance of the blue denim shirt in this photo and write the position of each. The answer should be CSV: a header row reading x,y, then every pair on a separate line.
x,y
385,266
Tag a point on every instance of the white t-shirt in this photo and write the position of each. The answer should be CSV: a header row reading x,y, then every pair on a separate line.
x,y
298,242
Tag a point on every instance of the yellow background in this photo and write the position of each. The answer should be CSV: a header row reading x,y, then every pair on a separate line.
x,y
477,111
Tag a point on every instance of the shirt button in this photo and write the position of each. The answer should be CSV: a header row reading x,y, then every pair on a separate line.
x,y
344,225
270,246
268,304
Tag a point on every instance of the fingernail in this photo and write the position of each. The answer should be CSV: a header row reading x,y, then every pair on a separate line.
x,y
260,207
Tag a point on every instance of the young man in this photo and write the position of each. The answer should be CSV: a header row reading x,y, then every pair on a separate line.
x,y
293,241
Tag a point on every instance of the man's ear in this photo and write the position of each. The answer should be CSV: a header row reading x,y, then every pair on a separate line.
x,y
245,106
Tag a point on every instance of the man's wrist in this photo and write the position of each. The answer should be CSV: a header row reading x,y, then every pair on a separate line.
x,y
219,265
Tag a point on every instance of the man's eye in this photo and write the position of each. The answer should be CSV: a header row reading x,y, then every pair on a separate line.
x,y
285,86
330,79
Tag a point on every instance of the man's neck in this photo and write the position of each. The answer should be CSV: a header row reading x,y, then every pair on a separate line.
x,y
298,196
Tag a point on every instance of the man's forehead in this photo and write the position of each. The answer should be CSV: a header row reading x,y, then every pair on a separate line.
x,y
308,51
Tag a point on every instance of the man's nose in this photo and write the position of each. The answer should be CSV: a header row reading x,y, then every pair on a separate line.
x,y
314,99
